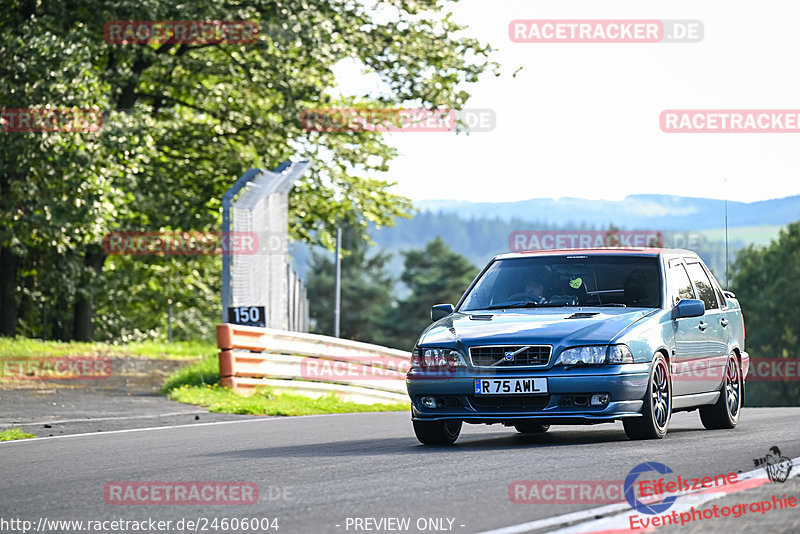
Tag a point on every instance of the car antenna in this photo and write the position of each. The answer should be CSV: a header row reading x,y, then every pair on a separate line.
x,y
727,281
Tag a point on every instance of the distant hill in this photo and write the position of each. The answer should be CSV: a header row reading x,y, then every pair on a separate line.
x,y
659,212
481,230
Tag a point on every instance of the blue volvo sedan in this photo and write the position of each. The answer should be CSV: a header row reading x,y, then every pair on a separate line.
x,y
581,336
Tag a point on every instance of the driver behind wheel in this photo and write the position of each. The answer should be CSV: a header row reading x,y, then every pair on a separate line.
x,y
534,291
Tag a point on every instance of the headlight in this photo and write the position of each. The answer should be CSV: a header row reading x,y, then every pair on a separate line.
x,y
433,358
595,355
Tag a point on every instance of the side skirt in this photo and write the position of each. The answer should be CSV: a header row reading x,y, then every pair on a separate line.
x,y
689,402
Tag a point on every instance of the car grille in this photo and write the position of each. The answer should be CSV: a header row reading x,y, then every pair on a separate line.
x,y
509,402
493,355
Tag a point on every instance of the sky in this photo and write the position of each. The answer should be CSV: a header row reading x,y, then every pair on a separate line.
x,y
582,119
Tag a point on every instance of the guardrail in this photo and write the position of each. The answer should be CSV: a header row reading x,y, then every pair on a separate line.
x,y
310,364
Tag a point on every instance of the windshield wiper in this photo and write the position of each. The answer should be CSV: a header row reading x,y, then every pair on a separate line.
x,y
530,304
617,304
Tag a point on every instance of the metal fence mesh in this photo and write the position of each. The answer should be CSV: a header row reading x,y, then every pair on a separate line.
x,y
265,278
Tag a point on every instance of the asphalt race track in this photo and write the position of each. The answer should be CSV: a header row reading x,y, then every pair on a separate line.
x,y
315,472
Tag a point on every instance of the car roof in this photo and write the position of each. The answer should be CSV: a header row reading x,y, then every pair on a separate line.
x,y
617,251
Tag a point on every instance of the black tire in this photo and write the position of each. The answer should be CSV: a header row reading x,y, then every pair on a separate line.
x,y
527,427
725,412
437,432
657,408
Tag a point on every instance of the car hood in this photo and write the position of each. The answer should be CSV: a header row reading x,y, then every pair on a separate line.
x,y
553,326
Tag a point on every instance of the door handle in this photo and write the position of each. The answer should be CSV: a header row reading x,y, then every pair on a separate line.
x,y
702,325
723,322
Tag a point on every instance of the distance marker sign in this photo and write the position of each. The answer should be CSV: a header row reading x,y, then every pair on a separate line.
x,y
247,315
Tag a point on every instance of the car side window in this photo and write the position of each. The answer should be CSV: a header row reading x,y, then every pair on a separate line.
x,y
720,297
704,288
681,285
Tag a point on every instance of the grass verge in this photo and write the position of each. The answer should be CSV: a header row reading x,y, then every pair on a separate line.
x,y
20,348
198,384
14,433
267,402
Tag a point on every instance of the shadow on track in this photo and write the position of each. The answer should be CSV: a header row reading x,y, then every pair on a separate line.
x,y
469,442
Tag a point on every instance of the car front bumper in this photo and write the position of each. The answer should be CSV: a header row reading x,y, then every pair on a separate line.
x,y
625,385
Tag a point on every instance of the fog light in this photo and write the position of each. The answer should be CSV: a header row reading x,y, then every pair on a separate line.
x,y
599,400
428,402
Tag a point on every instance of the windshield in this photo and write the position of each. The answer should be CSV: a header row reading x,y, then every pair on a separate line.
x,y
589,280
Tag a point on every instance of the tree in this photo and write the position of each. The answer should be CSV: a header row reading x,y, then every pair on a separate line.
x,y
366,290
765,281
433,275
183,121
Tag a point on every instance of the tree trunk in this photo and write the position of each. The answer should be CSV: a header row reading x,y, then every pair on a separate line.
x,y
82,310
9,307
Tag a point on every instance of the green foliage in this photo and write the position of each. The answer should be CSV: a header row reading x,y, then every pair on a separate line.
x,y
266,402
183,121
372,311
14,433
138,289
765,281
204,372
366,290
21,347
480,238
433,275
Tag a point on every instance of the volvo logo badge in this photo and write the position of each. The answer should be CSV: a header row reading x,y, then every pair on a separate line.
x,y
508,356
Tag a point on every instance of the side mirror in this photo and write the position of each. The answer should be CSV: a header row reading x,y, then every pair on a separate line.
x,y
441,310
689,308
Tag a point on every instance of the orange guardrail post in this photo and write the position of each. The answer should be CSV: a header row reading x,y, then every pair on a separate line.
x,y
226,368
226,358
225,336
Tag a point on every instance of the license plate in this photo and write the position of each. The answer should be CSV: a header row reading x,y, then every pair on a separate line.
x,y
510,386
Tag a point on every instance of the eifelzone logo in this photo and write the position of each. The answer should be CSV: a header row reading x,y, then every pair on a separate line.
x,y
777,467
630,496
667,490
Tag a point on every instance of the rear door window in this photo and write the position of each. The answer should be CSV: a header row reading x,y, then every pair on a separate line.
x,y
717,289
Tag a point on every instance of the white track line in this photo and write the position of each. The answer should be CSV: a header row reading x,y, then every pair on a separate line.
x,y
93,419
260,419
685,500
